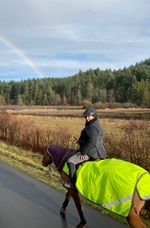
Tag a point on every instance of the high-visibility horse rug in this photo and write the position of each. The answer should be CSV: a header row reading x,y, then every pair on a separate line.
x,y
111,183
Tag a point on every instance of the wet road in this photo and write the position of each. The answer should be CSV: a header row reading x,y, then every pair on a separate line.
x,y
27,203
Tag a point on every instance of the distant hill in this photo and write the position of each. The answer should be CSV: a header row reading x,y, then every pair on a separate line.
x,y
101,88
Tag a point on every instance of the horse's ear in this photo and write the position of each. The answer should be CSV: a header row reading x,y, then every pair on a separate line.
x,y
49,152
50,143
48,148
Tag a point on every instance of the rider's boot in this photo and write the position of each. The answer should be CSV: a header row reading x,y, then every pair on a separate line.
x,y
72,176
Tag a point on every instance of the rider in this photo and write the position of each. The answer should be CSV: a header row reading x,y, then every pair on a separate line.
x,y
90,144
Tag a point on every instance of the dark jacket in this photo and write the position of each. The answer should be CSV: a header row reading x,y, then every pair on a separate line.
x,y
91,140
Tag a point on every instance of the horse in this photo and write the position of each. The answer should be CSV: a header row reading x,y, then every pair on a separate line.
x,y
48,160
137,204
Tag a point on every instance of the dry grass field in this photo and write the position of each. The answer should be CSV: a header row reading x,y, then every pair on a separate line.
x,y
125,135
76,111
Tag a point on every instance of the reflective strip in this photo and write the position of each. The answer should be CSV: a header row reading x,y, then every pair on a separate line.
x,y
145,197
117,201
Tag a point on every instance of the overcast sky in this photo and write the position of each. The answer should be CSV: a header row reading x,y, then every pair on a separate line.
x,y
57,38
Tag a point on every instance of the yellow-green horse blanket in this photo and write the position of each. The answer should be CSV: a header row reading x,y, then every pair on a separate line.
x,y
111,183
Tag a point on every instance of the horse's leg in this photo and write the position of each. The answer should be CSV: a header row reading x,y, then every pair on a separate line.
x,y
134,218
65,203
77,201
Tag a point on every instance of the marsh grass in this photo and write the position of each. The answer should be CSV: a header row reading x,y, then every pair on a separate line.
x,y
124,139
132,143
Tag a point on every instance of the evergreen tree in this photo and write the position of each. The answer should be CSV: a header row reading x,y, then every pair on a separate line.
x,y
2,100
130,84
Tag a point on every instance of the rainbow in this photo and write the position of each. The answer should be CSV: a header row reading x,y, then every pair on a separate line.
x,y
20,52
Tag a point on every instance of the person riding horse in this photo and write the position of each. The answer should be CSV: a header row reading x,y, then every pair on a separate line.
x,y
90,145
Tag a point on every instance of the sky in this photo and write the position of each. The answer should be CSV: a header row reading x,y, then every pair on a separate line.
x,y
58,38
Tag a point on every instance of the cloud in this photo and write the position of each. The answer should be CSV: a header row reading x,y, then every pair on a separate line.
x,y
61,37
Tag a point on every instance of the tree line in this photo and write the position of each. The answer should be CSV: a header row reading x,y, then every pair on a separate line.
x,y
128,85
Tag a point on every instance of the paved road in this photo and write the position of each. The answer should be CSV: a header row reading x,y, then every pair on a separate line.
x,y
27,203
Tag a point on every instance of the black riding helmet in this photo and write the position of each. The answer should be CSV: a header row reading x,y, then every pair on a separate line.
x,y
89,112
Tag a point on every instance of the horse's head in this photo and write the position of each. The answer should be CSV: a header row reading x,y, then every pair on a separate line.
x,y
47,159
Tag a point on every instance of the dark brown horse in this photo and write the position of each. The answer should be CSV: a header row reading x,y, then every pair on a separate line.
x,y
47,160
134,217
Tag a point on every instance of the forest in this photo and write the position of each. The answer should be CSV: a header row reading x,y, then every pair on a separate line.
x,y
130,86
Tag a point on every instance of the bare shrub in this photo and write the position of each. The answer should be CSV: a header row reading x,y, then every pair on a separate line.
x,y
62,136
86,103
4,123
47,137
100,105
9,128
129,105
26,134
13,130
113,105
132,144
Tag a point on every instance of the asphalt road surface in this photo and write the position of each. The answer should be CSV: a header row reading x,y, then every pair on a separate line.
x,y
27,203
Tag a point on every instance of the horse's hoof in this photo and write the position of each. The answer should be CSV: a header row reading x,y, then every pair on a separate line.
x,y
81,224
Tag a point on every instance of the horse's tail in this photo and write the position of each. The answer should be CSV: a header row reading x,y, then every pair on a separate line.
x,y
147,205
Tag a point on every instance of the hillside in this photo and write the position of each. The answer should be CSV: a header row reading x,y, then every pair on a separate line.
x,y
129,86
